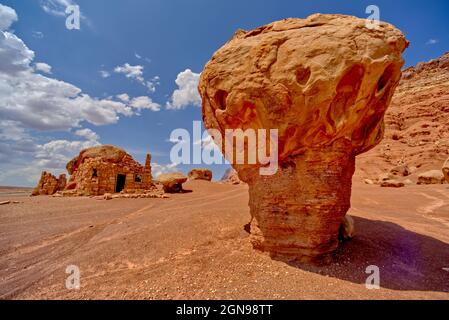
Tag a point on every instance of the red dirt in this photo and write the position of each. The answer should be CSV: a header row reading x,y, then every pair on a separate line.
x,y
193,246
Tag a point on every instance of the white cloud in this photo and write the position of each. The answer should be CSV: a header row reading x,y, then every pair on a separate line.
x,y
38,102
131,72
138,56
7,17
432,41
187,92
88,134
56,7
144,102
136,73
123,97
104,73
43,67
158,169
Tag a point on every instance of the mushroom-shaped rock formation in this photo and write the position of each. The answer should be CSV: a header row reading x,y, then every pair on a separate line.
x,y
446,170
200,174
172,182
324,83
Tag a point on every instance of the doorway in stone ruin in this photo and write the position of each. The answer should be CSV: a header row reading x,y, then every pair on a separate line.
x,y
120,185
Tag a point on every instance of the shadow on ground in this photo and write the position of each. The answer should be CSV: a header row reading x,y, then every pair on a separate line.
x,y
407,260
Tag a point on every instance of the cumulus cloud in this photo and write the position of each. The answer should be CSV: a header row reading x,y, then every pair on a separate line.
x,y
144,102
43,103
158,169
187,92
43,67
31,102
88,134
7,17
123,97
136,73
131,72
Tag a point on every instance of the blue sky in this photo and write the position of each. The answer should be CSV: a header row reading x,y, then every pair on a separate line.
x,y
139,48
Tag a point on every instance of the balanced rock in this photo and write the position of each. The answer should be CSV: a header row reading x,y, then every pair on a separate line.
x,y
172,182
324,83
200,174
431,177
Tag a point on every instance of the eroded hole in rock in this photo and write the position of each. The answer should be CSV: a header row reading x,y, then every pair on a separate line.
x,y
302,75
385,78
347,92
220,99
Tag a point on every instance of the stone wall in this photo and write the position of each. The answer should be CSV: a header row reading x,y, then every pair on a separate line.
x,y
49,184
95,176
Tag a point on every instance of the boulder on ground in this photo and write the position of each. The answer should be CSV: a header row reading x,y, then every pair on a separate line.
x,y
431,177
446,170
347,229
172,182
401,170
200,174
392,184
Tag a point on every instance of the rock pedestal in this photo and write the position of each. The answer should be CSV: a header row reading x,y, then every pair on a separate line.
x,y
324,83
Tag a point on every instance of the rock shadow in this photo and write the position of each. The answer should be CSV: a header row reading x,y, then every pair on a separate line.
x,y
407,260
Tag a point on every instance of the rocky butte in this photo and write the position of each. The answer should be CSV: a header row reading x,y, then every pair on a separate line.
x,y
325,83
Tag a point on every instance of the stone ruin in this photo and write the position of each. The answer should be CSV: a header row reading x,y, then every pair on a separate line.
x,y
100,170
49,184
325,83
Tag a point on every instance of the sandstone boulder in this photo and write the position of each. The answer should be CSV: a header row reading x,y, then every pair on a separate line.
x,y
446,169
431,177
401,170
200,174
230,176
392,184
324,83
172,182
347,228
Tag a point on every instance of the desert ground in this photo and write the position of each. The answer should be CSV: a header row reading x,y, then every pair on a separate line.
x,y
193,246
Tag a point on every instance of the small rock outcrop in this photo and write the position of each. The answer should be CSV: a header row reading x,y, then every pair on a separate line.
x,y
172,182
431,177
325,83
392,184
230,176
49,184
200,174
445,170
401,170
347,229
